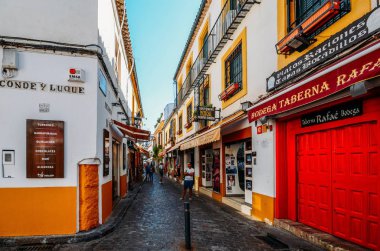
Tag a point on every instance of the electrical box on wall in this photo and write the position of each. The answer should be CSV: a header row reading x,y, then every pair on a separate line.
x,y
10,59
8,163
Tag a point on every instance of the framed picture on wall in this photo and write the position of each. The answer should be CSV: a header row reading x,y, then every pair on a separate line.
x,y
248,145
248,172
248,185
248,159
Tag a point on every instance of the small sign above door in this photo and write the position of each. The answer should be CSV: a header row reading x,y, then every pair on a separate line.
x,y
338,112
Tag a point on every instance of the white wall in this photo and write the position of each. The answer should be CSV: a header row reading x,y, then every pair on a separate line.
x,y
264,171
69,21
76,110
261,55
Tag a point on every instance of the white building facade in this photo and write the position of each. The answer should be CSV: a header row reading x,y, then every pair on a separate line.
x,y
225,63
68,78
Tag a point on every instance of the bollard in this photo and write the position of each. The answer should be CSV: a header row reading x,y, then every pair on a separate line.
x,y
187,225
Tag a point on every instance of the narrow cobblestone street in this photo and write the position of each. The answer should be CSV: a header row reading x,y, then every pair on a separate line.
x,y
156,222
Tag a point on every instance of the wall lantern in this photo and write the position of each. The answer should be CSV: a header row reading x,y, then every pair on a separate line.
x,y
245,105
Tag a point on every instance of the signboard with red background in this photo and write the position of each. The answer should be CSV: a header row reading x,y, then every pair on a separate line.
x,y
361,69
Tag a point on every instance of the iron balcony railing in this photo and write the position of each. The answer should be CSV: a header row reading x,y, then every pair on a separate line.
x,y
233,12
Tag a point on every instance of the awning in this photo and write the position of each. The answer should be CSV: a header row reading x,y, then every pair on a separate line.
x,y
232,118
211,135
162,154
202,139
132,132
143,151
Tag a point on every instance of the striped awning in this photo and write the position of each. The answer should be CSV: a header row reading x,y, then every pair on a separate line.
x,y
132,132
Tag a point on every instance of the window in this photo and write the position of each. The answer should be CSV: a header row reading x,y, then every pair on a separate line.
x,y
305,8
205,100
102,82
206,95
234,71
117,60
233,4
233,67
298,11
189,114
205,47
180,124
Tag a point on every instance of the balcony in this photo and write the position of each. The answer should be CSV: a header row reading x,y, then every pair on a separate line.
x,y
316,19
229,19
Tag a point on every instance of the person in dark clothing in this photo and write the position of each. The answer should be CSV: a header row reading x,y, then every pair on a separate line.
x,y
161,170
151,171
147,172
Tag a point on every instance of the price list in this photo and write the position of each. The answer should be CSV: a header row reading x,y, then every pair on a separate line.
x,y
45,149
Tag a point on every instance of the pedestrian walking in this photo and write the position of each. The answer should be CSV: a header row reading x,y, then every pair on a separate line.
x,y
188,182
161,171
151,171
147,171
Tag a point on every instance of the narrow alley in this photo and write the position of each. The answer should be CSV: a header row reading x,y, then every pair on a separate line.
x,y
155,221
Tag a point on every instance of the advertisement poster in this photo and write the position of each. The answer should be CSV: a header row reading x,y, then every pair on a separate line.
x,y
248,185
216,171
235,168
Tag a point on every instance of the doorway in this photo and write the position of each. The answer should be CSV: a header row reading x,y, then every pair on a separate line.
x,y
115,169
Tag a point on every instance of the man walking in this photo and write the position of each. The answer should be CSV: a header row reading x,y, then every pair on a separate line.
x,y
189,181
147,169
151,171
161,171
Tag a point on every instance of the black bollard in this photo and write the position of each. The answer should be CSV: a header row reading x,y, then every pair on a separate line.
x,y
187,225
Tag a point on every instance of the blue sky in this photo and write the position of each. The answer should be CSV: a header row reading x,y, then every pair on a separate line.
x,y
159,31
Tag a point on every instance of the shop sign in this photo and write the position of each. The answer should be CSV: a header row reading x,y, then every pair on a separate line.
x,y
205,113
206,138
353,34
259,129
343,111
45,149
361,69
42,87
77,75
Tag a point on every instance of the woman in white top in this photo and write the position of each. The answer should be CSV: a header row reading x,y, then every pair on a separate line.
x,y
189,181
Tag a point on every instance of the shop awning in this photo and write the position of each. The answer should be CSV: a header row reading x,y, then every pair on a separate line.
x,y
162,154
143,151
202,139
132,132
232,118
211,135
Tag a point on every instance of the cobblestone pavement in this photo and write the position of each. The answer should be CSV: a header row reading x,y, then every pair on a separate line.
x,y
155,221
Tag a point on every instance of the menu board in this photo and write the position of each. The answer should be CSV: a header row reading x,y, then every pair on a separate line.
x,y
44,149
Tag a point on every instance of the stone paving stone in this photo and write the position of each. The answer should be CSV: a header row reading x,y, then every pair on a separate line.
x,y
155,221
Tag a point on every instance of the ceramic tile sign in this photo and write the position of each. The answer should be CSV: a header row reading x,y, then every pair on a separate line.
x,y
44,149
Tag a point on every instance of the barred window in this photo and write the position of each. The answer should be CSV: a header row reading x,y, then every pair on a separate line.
x,y
180,122
189,112
304,9
300,10
234,67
